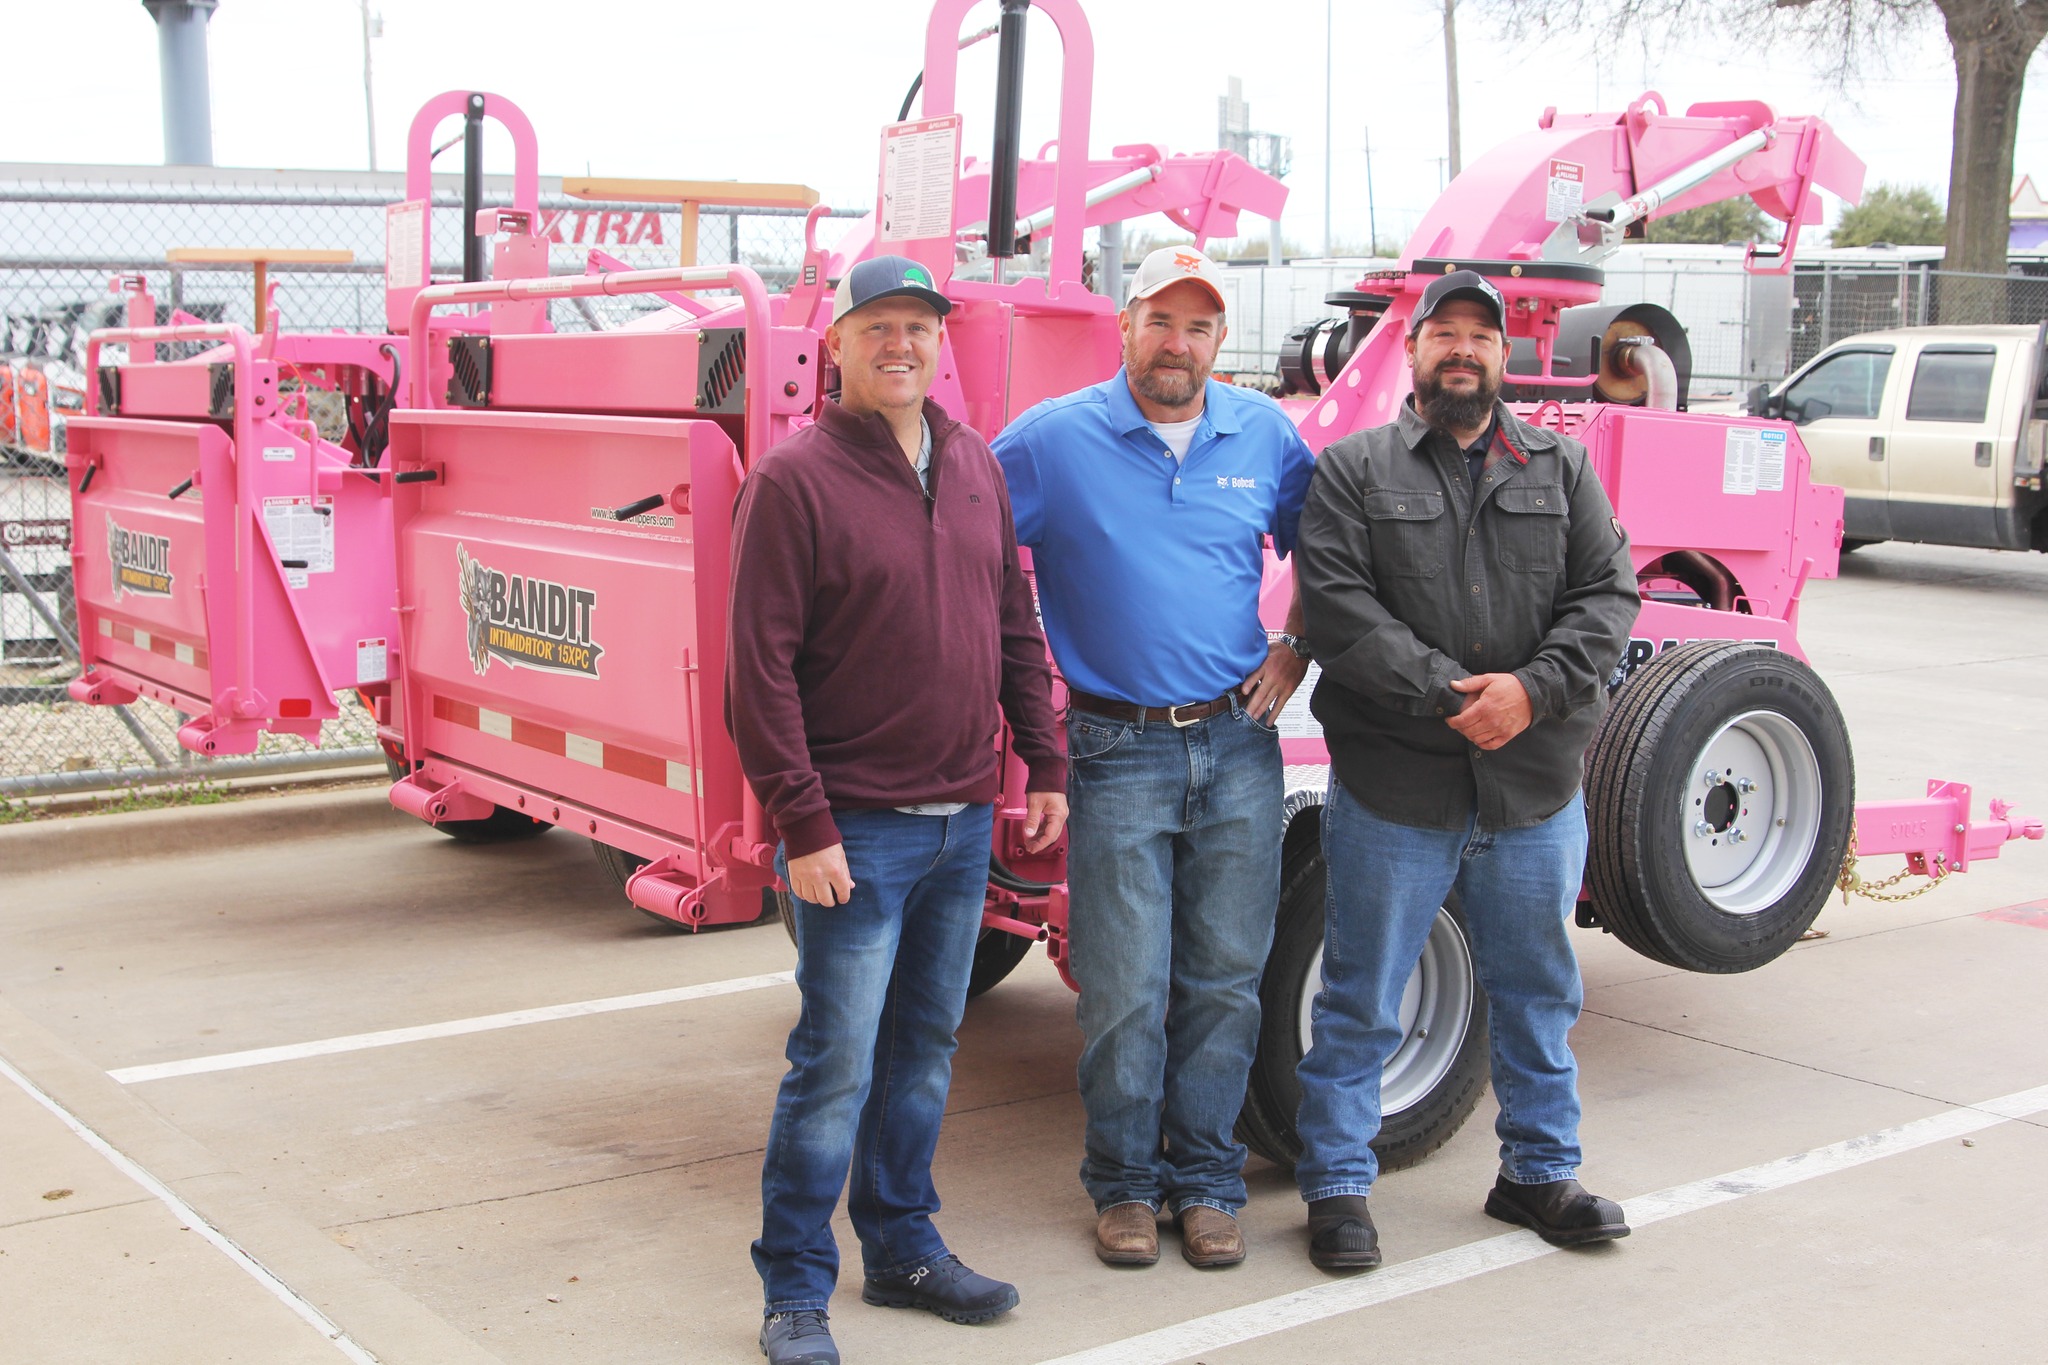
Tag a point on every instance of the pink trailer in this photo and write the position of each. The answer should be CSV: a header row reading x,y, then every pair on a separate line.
x,y
562,554
232,562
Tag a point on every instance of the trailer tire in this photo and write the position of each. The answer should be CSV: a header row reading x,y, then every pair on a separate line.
x,y
502,826
996,953
1662,871
1430,1086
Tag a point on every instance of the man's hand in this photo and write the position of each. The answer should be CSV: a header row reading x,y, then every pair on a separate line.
x,y
1496,714
822,878
1268,689
1045,815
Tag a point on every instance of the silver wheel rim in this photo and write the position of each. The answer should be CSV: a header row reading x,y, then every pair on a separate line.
x,y
1436,1012
1750,813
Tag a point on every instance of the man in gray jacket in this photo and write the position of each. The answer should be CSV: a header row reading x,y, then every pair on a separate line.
x,y
1467,590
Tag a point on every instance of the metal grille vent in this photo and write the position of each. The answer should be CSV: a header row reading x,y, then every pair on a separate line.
x,y
722,370
469,373
220,393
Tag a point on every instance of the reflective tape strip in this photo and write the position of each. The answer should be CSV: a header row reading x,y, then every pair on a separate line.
x,y
613,758
155,642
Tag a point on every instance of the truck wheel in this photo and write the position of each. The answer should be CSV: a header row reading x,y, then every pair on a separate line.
x,y
996,954
1433,1081
501,826
1719,793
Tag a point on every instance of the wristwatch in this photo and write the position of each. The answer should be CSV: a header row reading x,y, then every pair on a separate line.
x,y
1297,644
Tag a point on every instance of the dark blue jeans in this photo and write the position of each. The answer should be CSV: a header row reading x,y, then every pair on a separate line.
x,y
883,980
1173,864
1386,883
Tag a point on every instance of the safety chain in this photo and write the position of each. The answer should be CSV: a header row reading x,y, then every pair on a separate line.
x,y
1850,880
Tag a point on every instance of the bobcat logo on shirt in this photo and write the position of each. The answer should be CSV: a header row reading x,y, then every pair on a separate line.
x,y
1226,481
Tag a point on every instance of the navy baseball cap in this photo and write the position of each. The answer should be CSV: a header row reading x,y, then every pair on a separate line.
x,y
887,277
1459,284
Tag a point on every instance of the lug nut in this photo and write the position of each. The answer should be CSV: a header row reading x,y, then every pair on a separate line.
x,y
1713,777
1745,785
1736,836
1702,830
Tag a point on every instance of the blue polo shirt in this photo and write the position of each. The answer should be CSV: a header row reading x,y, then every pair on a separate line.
x,y
1148,568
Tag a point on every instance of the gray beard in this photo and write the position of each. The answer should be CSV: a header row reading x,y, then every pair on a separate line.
x,y
1170,388
1455,410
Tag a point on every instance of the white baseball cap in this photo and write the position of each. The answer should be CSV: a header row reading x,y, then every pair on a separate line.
x,y
1169,266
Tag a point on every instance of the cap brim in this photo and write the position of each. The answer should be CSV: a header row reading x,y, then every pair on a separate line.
x,y
1214,292
938,302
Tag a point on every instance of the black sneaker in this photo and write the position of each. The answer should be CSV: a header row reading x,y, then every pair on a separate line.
x,y
945,1287
1341,1235
1561,1212
799,1338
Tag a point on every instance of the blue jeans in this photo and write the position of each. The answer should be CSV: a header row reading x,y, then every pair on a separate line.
x,y
883,980
1173,866
1386,883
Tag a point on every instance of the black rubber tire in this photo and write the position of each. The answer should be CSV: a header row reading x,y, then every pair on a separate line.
x,y
996,954
501,826
1638,770
1292,978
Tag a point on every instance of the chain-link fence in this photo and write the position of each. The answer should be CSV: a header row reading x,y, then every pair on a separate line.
x,y
65,233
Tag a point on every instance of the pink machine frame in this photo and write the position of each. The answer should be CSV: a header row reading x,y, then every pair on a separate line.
x,y
193,601
563,551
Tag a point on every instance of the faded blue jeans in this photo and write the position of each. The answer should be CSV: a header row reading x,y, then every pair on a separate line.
x,y
1386,883
1173,866
883,980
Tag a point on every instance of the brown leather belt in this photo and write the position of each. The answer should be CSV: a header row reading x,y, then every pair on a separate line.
x,y
1128,710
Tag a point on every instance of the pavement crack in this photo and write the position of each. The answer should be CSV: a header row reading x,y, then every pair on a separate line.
x,y
547,1189
75,1213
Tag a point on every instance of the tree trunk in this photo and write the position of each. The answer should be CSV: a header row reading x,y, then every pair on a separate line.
x,y
1991,41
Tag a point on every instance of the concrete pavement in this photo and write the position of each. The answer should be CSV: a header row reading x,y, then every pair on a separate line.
x,y
583,1188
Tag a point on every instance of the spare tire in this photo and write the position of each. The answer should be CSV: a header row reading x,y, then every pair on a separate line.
x,y
1719,793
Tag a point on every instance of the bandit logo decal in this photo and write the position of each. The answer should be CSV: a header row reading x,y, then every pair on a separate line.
x,y
526,622
142,563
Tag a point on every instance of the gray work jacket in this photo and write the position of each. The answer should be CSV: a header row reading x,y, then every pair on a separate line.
x,y
1411,578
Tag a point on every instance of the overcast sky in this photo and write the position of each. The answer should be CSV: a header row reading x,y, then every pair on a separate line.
x,y
794,90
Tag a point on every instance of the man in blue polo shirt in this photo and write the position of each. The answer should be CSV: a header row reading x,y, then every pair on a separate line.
x,y
1146,501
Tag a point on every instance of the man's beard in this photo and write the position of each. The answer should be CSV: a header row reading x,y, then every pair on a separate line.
x,y
1167,384
1455,409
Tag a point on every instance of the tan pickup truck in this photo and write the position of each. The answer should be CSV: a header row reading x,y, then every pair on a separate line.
x,y
1936,433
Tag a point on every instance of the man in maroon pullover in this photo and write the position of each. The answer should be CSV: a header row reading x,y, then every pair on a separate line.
x,y
880,622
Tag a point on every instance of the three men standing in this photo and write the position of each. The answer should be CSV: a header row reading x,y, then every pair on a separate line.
x,y
1146,501
880,619
1468,591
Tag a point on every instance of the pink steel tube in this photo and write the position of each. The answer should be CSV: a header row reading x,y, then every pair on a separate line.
x,y
245,396
753,298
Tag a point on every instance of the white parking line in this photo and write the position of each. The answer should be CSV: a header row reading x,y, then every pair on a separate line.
x,y
1235,1325
484,1023
189,1217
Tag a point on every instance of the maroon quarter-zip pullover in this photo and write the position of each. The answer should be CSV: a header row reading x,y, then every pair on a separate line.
x,y
876,631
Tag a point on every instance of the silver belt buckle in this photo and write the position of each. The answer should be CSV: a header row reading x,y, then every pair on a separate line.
x,y
1173,715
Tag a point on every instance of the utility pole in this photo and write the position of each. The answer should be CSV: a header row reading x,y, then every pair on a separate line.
x,y
1372,217
181,59
371,29
1451,76
1329,186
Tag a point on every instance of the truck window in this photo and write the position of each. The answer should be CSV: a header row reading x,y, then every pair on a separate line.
x,y
1851,384
1950,386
